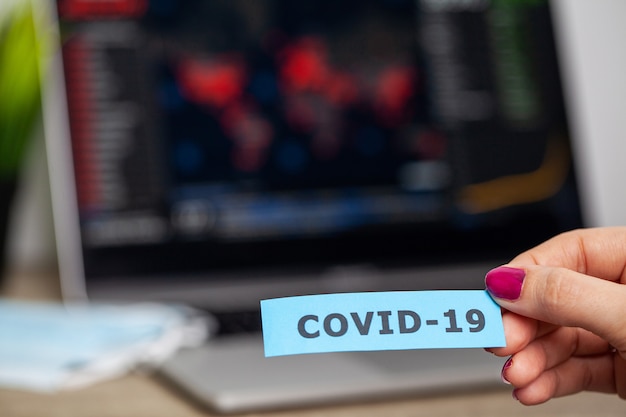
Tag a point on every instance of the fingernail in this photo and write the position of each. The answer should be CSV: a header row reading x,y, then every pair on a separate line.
x,y
506,366
514,395
505,282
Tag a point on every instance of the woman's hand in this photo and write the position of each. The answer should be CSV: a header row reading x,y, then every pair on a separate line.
x,y
565,315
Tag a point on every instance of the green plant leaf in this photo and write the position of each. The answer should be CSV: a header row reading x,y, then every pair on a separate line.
x,y
20,86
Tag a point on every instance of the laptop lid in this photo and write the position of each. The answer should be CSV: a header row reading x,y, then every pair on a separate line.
x,y
221,152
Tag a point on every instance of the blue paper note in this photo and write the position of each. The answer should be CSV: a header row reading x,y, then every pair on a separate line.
x,y
381,321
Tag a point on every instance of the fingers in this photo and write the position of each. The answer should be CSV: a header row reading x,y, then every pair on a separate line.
x,y
550,351
562,361
564,311
519,331
593,373
563,297
599,252
522,331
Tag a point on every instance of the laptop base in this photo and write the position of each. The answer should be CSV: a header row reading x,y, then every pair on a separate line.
x,y
230,375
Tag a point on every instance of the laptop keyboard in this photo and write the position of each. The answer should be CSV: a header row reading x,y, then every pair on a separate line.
x,y
238,322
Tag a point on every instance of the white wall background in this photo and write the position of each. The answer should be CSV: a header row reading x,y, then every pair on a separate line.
x,y
31,238
593,38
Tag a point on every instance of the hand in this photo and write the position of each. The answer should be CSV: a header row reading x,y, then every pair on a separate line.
x,y
564,315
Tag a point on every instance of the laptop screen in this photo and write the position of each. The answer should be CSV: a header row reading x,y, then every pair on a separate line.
x,y
231,134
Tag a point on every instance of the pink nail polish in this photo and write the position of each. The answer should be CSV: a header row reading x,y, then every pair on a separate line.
x,y
505,282
506,366
514,395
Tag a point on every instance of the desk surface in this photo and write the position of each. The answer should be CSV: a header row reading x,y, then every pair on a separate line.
x,y
143,395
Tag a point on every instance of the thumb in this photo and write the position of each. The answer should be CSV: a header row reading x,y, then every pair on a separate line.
x,y
563,297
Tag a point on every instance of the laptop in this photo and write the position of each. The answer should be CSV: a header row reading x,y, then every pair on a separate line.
x,y
216,153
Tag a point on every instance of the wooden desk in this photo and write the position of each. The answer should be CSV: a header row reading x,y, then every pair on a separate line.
x,y
143,395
